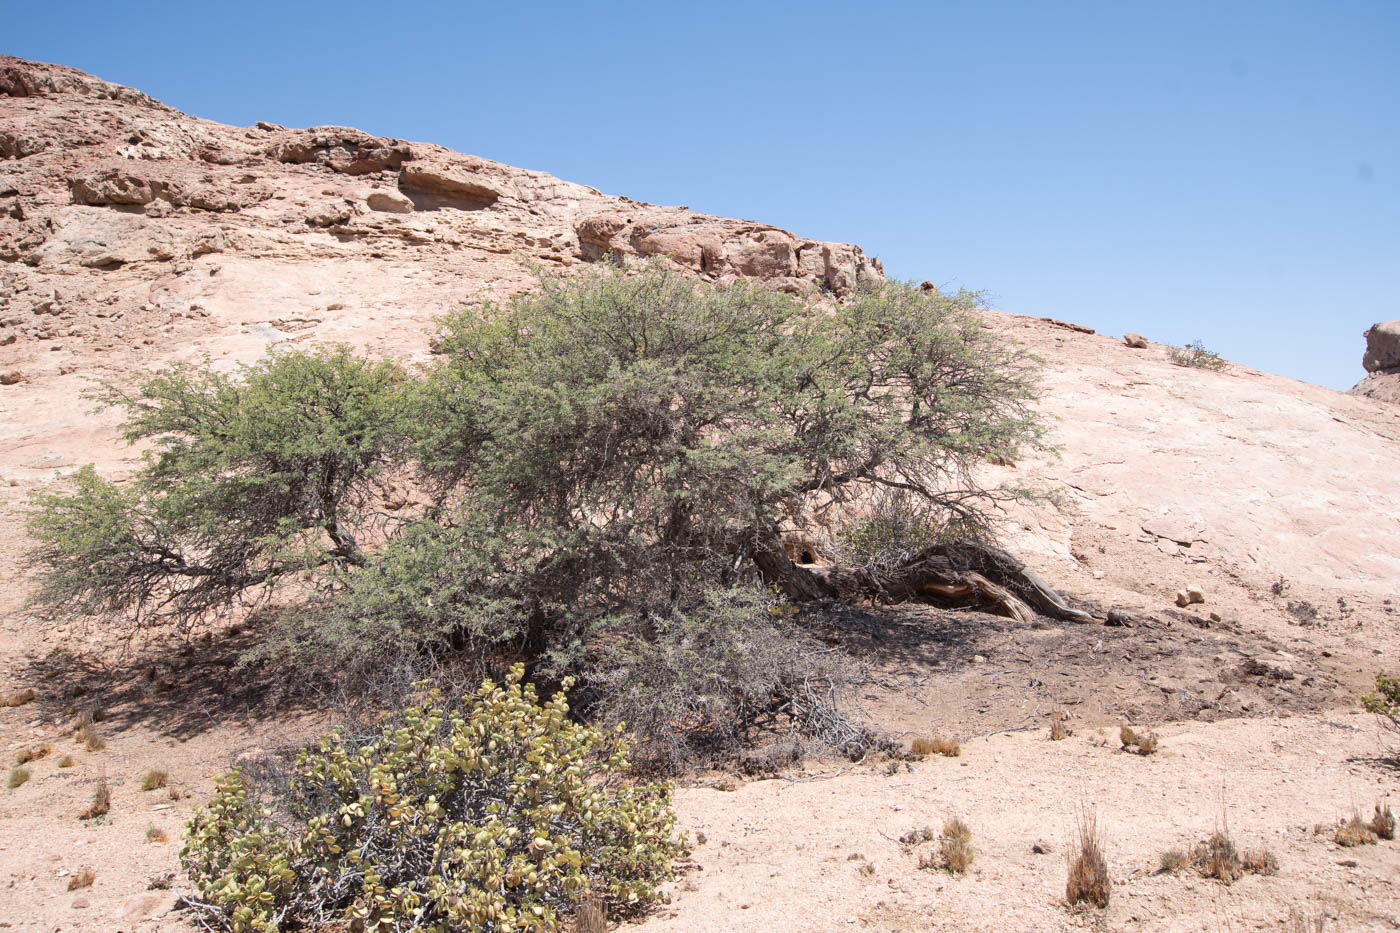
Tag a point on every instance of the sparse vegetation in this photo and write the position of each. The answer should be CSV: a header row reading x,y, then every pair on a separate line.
x,y
154,779
1217,857
502,812
155,834
81,879
17,777
1354,832
1088,868
101,802
1059,731
1141,743
1197,356
66,761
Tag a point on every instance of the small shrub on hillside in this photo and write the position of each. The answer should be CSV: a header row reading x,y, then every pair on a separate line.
x,y
500,815
955,847
1354,832
88,738
1088,868
1218,858
1384,700
154,779
66,761
25,755
1383,822
155,834
1172,861
17,777
101,802
1196,355
1141,743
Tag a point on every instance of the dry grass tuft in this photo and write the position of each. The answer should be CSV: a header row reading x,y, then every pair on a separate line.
x,y
66,761
21,697
17,777
1058,730
155,834
1354,832
923,746
1141,743
89,739
1088,869
955,851
1218,858
1172,861
1383,823
154,779
949,748
1259,862
101,802
26,755
1299,922
82,879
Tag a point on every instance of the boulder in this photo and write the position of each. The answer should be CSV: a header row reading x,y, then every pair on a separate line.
x,y
1136,341
1382,347
389,202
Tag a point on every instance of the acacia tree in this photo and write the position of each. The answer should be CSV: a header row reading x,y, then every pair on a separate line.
x,y
249,478
611,461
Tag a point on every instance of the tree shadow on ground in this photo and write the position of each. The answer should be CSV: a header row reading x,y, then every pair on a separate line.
x,y
179,688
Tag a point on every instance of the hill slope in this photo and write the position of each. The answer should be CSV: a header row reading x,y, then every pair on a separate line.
x,y
132,235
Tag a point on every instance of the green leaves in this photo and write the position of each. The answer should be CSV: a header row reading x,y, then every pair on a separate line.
x,y
247,479
497,816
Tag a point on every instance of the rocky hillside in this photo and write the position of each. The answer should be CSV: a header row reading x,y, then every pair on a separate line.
x,y
133,236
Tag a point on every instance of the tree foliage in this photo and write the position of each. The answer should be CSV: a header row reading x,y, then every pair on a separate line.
x,y
611,460
248,478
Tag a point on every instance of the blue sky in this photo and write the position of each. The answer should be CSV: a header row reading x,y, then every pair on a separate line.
x,y
1228,172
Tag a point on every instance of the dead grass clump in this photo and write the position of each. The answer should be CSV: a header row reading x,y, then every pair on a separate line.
x,y
1383,823
26,755
1141,743
923,746
82,879
1354,832
155,834
1172,861
955,851
1218,858
89,738
1259,862
17,777
1088,869
1058,730
66,761
916,836
21,697
101,802
154,779
591,917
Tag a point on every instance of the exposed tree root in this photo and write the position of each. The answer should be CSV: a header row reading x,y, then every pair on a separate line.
x,y
962,572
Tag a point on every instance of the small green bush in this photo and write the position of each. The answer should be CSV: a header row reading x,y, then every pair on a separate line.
x,y
1197,356
502,815
1384,700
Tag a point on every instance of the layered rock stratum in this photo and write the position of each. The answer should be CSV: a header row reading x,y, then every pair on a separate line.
x,y
133,236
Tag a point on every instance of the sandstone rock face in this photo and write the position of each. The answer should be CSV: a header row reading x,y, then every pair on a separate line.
x,y
1382,363
1382,347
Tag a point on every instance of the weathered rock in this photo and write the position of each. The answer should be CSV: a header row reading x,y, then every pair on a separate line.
x,y
1382,347
1136,341
342,149
389,202
11,377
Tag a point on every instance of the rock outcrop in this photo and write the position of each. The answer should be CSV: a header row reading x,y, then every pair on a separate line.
x,y
1382,363
119,214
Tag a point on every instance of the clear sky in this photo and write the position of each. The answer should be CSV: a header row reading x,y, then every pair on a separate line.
x,y
1222,171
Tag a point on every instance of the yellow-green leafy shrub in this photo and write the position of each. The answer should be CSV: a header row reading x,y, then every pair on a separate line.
x,y
500,815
